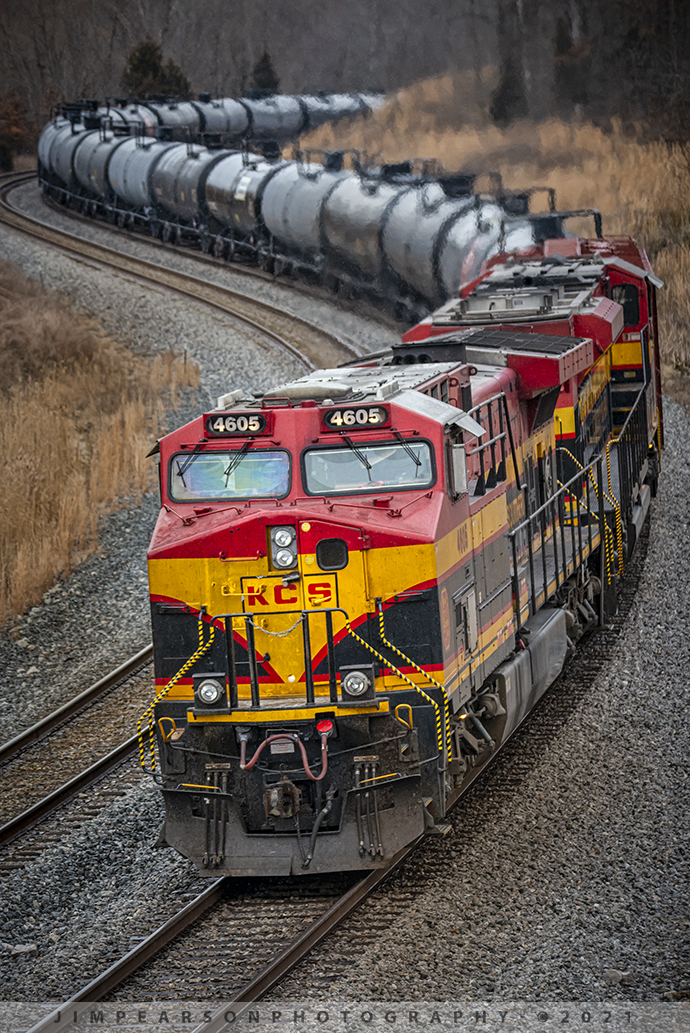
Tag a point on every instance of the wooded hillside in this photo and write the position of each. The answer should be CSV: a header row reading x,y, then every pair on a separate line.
x,y
594,58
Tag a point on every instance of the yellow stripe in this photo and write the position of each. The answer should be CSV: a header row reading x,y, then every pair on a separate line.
x,y
626,353
299,714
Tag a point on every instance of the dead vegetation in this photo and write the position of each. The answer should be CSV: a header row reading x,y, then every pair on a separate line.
x,y
642,188
79,414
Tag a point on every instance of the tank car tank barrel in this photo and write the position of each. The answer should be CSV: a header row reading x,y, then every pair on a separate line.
x,y
401,236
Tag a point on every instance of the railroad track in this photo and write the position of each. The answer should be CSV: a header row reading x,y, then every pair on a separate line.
x,y
241,927
245,918
27,767
312,345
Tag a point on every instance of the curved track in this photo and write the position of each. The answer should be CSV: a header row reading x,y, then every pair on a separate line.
x,y
304,340
310,344
74,706
30,756
323,905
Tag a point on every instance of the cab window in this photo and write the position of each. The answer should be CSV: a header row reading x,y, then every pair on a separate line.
x,y
232,474
359,467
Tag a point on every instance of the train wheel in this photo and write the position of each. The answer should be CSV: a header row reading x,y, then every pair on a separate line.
x,y
167,232
121,219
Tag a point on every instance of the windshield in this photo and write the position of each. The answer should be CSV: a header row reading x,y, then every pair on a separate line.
x,y
237,474
358,467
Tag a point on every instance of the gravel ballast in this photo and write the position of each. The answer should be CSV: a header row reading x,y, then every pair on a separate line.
x,y
576,884
100,616
358,322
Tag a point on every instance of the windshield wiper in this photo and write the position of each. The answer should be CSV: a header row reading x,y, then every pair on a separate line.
x,y
190,459
360,455
235,461
415,459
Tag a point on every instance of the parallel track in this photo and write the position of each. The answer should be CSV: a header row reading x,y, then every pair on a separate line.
x,y
310,344
313,346
42,728
67,791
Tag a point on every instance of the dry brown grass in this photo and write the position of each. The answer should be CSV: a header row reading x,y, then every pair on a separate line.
x,y
642,188
79,414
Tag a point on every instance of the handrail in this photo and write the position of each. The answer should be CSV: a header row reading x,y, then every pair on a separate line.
x,y
579,476
551,516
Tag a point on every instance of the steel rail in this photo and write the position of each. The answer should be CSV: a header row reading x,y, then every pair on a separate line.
x,y
66,791
286,961
74,706
328,350
68,1013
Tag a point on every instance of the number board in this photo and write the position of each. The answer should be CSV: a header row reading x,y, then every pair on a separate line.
x,y
356,417
240,424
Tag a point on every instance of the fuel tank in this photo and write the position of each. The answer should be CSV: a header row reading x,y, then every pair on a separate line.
x,y
414,233
46,139
223,116
178,115
62,147
351,219
91,160
275,118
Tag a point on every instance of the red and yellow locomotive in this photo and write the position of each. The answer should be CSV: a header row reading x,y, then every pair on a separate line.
x,y
363,581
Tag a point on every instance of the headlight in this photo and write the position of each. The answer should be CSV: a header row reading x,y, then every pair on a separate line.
x,y
283,547
355,683
284,558
209,692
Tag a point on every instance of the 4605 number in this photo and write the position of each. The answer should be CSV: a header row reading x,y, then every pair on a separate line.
x,y
238,423
359,417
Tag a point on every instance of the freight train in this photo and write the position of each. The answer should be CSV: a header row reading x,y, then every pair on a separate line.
x,y
258,118
406,234
363,581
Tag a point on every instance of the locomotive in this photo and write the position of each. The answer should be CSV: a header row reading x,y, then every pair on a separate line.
x,y
363,581
404,234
